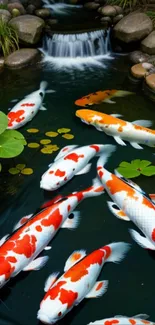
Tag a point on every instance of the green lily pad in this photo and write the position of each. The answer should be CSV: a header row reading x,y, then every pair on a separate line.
x,y
14,171
136,168
3,122
13,134
9,148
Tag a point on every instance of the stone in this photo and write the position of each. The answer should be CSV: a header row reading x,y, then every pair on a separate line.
x,y
16,5
29,28
148,44
43,13
106,19
138,71
138,56
151,59
3,2
5,15
108,11
51,22
133,27
117,18
30,9
118,9
150,81
22,57
37,3
1,63
91,5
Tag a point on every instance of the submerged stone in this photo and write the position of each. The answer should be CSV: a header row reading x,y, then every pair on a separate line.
x,y
43,13
150,80
22,57
138,56
138,71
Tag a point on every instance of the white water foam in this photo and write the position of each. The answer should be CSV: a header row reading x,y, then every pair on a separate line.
x,y
60,8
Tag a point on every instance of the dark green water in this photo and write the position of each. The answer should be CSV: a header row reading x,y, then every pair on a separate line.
x,y
131,283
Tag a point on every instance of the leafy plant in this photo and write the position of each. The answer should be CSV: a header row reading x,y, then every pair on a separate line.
x,y
3,6
126,3
135,168
8,38
11,141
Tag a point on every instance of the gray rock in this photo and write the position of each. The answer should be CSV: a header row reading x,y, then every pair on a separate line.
x,y
133,27
138,57
22,57
37,3
1,63
151,59
51,22
119,9
4,2
91,5
16,5
5,15
108,11
148,44
43,13
30,9
29,28
106,19
117,18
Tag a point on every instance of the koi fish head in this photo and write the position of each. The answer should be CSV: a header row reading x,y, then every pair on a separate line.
x,y
50,182
88,116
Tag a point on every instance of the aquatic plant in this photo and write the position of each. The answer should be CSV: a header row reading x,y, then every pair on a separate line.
x,y
11,141
8,38
135,168
126,3
20,169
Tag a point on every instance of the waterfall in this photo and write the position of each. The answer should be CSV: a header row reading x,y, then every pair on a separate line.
x,y
61,7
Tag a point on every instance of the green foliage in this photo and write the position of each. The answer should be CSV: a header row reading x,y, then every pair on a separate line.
x,y
125,4
8,38
3,6
151,14
135,168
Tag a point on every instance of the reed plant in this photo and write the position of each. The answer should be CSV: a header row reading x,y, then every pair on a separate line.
x,y
3,6
8,38
127,4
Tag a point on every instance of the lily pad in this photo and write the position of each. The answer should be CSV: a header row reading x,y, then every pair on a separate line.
x,y
14,171
3,122
46,150
27,171
63,130
51,134
9,148
32,130
45,141
68,136
135,168
33,145
13,134
20,166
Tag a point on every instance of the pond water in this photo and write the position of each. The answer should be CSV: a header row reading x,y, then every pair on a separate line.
x,y
131,282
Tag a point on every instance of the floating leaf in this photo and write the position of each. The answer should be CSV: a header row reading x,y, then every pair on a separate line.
x,y
3,122
149,171
128,173
135,168
46,150
9,148
68,136
27,171
51,134
0,167
14,171
32,130
63,130
20,166
45,141
14,134
33,145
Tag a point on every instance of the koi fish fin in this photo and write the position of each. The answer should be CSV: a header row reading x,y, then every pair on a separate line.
x,y
22,221
107,152
152,196
75,257
109,101
50,91
3,239
72,221
47,248
98,290
116,115
117,251
84,170
141,316
141,240
50,280
119,140
43,85
14,100
122,93
42,108
64,151
136,145
145,123
117,212
36,264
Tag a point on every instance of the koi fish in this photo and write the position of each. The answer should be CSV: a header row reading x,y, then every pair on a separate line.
x,y
78,282
134,132
130,203
33,233
123,320
68,163
26,109
101,96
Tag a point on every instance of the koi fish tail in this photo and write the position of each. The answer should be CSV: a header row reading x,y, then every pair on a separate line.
x,y
122,93
116,252
94,190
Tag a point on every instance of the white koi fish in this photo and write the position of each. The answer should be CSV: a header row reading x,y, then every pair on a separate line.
x,y
123,320
78,282
134,132
33,233
130,203
27,108
69,162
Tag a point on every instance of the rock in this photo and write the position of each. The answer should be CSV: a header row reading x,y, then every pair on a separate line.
x,y
138,71
5,15
150,81
118,9
43,13
29,28
51,22
138,56
151,59
16,5
1,63
148,44
117,18
3,2
30,9
91,5
108,11
106,19
21,58
37,3
133,27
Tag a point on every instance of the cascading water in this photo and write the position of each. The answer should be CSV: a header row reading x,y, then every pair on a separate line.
x,y
60,7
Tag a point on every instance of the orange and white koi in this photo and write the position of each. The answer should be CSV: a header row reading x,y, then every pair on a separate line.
x,y
33,233
124,320
130,203
78,282
101,96
26,109
134,132
69,162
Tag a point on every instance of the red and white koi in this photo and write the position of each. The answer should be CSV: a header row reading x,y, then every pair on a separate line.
x,y
69,162
33,233
27,108
78,282
130,203
134,132
124,320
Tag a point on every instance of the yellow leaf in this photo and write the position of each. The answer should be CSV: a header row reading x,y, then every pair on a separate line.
x,y
32,130
27,171
68,136
63,130
46,150
51,134
56,148
14,171
20,166
33,145
45,141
